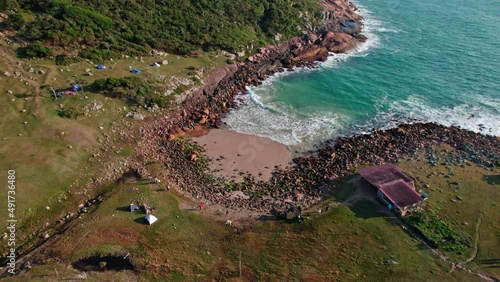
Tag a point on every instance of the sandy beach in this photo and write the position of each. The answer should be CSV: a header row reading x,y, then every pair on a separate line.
x,y
235,154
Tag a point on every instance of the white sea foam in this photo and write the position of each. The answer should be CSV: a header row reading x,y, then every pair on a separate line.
x,y
289,127
479,114
371,27
282,125
256,115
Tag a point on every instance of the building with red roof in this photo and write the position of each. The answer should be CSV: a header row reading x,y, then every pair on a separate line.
x,y
394,187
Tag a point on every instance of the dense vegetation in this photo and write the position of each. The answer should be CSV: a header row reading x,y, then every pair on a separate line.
x,y
34,49
439,233
131,89
181,26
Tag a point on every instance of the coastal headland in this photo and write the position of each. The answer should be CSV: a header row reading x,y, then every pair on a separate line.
x,y
227,176
304,183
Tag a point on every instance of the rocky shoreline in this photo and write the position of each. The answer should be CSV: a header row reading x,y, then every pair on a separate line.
x,y
311,177
339,31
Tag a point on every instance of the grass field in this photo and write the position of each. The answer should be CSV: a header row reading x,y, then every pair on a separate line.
x,y
462,196
346,243
52,155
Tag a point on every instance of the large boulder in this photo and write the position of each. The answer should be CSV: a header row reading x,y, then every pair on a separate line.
x,y
338,42
316,53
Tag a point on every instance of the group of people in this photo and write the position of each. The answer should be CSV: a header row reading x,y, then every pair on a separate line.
x,y
142,206
156,180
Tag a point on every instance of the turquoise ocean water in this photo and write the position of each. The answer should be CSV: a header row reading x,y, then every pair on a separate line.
x,y
428,60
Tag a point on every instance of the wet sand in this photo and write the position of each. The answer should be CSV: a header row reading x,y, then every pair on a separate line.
x,y
232,153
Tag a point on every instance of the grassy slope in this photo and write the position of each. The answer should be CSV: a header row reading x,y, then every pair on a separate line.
x,y
46,168
480,201
338,245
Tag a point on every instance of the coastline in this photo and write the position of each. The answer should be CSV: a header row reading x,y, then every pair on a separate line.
x,y
312,176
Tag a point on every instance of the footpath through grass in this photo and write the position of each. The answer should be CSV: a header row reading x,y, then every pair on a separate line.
x,y
53,156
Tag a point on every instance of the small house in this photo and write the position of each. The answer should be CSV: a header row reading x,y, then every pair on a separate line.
x,y
394,187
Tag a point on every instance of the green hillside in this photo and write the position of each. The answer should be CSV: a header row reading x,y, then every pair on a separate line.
x,y
180,26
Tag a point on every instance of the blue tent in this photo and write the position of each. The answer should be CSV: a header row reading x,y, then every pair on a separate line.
x,y
100,66
136,71
75,87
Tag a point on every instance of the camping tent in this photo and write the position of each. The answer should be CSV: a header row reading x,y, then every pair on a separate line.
x,y
75,87
133,207
155,64
136,71
150,219
100,66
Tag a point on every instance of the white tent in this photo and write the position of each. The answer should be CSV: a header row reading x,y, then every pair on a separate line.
x,y
150,219
156,65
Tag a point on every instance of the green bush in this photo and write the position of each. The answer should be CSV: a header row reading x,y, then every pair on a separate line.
x,y
182,26
8,5
131,89
437,232
64,60
97,55
69,112
35,49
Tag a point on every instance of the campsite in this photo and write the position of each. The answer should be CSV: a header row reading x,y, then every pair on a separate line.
x,y
125,170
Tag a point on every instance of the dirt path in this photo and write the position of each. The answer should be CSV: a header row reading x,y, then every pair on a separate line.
x,y
476,243
363,192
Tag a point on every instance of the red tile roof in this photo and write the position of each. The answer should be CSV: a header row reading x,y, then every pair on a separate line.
x,y
400,193
381,174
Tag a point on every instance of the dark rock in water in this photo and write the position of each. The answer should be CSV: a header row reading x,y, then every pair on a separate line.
x,y
351,26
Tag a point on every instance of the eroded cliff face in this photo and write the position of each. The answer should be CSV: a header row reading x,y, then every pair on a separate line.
x,y
341,16
338,31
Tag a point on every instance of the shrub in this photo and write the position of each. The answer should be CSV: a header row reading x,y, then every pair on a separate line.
x,y
131,89
69,112
437,232
182,26
35,49
64,60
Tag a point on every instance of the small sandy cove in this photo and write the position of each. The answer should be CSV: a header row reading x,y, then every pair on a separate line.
x,y
232,152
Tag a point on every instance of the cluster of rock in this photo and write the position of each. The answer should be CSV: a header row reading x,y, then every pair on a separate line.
x,y
313,177
310,179
208,105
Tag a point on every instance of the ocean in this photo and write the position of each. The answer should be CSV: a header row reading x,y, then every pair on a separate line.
x,y
426,60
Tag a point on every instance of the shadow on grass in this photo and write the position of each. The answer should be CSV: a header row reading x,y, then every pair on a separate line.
x,y
366,209
490,263
266,218
141,220
492,179
124,209
20,96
